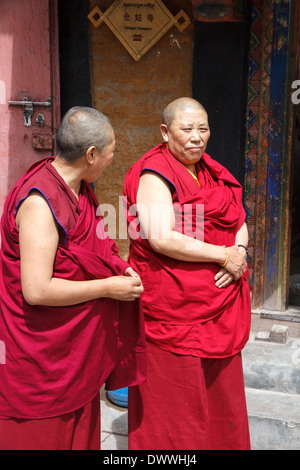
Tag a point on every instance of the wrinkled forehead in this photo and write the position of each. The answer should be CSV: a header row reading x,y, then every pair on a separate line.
x,y
190,115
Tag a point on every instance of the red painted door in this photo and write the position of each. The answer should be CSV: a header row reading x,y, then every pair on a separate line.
x,y
28,69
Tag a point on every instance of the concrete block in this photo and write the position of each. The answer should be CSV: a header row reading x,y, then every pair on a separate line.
x,y
262,336
279,334
274,420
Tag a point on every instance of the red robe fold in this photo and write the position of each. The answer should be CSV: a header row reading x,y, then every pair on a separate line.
x,y
185,312
57,358
188,403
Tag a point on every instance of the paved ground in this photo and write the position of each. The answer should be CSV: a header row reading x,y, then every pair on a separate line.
x,y
113,425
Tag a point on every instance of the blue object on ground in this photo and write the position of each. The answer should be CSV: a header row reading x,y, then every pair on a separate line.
x,y
119,397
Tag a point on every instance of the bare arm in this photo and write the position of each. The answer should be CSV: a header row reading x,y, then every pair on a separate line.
x,y
242,238
38,237
223,278
157,220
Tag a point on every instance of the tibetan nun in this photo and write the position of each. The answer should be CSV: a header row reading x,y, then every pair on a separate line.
x,y
70,315
188,242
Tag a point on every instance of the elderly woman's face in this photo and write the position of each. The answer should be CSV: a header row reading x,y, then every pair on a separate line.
x,y
187,136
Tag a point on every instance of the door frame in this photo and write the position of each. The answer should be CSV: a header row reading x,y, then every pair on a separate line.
x,y
55,64
270,252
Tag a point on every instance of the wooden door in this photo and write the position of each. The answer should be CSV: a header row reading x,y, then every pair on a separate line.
x,y
28,69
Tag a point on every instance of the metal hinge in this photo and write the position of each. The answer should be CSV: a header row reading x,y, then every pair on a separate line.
x,y
28,107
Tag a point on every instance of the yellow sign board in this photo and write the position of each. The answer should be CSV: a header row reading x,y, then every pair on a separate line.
x,y
138,24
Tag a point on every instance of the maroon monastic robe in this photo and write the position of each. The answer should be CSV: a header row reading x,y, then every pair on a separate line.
x,y
185,312
57,358
194,395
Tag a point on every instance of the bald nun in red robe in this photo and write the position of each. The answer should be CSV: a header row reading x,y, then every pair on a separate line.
x,y
188,242
70,316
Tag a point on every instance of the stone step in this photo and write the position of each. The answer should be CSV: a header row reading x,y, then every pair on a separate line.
x,y
274,420
271,366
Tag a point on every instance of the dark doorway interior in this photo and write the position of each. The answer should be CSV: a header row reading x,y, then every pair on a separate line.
x,y
221,86
294,280
294,291
75,82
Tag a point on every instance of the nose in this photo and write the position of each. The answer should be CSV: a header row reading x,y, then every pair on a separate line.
x,y
196,136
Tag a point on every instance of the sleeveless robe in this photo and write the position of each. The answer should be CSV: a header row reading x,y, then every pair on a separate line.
x,y
57,358
185,312
194,396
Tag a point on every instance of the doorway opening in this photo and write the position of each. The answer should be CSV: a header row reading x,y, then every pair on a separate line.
x,y
294,281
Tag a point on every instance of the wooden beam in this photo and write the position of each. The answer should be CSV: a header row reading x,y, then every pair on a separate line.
x,y
276,247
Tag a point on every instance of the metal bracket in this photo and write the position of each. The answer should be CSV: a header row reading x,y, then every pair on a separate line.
x,y
40,120
28,107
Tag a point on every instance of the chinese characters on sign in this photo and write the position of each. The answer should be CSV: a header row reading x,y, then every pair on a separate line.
x,y
138,25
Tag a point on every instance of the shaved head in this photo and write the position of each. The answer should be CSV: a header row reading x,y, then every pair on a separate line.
x,y
180,104
82,127
185,130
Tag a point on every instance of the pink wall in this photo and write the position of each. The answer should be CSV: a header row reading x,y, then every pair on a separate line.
x,y
26,69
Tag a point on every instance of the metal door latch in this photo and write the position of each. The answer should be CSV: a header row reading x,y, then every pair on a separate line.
x,y
28,108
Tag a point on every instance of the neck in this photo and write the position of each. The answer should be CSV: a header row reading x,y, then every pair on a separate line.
x,y
191,167
70,173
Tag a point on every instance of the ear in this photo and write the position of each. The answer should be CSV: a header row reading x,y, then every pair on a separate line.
x,y
164,132
89,154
